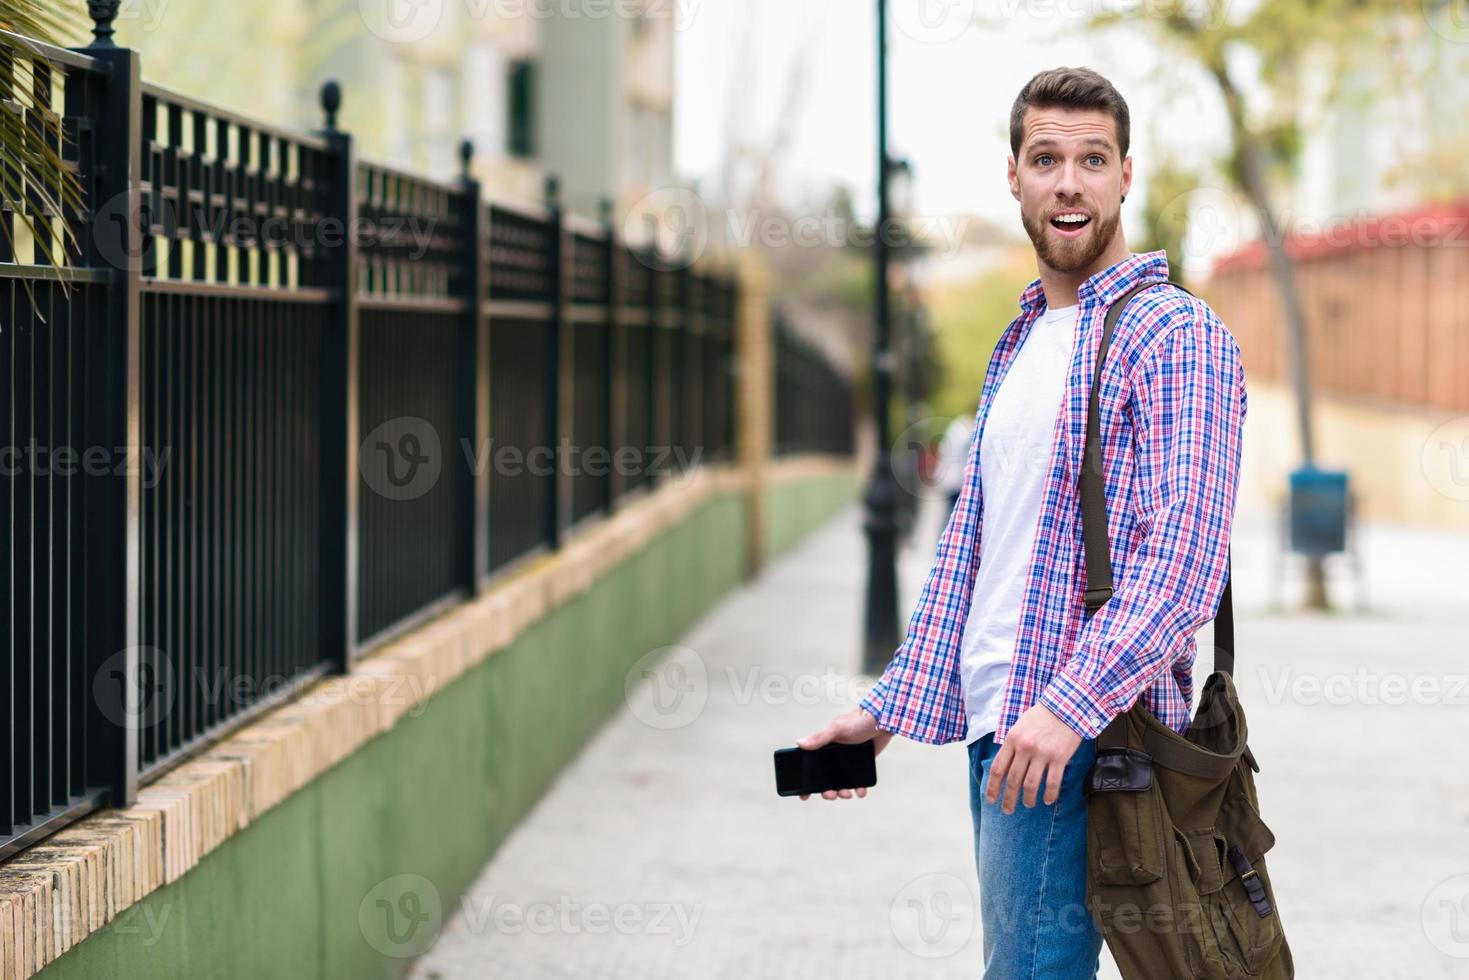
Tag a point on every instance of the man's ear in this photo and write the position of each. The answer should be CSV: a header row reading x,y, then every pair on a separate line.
x,y
1012,177
1126,175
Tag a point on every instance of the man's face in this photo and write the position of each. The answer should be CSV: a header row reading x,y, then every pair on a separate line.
x,y
1069,181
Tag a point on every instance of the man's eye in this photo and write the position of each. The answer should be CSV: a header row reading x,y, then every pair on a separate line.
x,y
1043,159
1095,160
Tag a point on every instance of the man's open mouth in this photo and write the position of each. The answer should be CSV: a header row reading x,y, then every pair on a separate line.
x,y
1070,221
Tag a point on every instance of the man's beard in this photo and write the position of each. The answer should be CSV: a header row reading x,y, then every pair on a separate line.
x,y
1071,254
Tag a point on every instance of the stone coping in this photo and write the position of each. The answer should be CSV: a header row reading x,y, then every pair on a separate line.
x,y
68,886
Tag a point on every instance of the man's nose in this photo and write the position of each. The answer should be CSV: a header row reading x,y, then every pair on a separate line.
x,y
1068,183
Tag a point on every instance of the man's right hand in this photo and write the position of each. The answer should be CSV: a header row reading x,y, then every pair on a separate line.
x,y
850,728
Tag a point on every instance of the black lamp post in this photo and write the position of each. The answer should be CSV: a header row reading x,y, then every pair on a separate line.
x,y
880,636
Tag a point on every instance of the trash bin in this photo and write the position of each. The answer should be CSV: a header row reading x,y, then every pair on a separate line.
x,y
1318,512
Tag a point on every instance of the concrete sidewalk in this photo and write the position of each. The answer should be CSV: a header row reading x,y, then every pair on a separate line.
x,y
663,851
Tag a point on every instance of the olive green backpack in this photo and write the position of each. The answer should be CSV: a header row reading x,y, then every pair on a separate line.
x,y
1176,848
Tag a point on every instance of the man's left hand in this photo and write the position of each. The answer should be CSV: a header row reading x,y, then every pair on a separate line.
x,y
1037,748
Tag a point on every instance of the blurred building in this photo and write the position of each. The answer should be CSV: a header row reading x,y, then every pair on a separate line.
x,y
539,88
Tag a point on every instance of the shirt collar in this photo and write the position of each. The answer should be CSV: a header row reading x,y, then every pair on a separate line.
x,y
1106,285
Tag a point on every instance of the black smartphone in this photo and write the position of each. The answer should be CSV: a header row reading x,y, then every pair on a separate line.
x,y
833,766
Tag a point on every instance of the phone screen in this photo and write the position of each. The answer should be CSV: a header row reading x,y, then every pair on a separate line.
x,y
833,766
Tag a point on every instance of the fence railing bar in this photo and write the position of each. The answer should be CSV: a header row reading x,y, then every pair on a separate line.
x,y
529,210
398,173
617,357
514,566
474,352
591,228
51,273
202,740
167,95
412,621
243,291
413,304
561,384
24,835
113,419
514,309
338,391
588,313
68,57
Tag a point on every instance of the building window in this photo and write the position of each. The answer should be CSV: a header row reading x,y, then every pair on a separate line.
x,y
521,110
485,100
438,123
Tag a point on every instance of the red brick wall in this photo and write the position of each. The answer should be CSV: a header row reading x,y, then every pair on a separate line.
x,y
1389,323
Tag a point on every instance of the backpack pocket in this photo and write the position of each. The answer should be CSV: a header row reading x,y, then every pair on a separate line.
x,y
1127,831
1242,911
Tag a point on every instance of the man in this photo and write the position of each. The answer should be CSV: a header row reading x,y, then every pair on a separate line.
x,y
1000,651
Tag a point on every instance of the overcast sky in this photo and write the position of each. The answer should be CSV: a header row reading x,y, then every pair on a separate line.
x,y
950,90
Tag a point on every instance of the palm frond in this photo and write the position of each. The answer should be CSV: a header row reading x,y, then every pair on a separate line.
x,y
39,191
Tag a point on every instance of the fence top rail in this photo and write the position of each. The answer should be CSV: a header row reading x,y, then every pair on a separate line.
x,y
61,56
299,136
588,228
399,173
522,209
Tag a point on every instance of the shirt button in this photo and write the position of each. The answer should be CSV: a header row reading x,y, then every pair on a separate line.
x,y
1095,719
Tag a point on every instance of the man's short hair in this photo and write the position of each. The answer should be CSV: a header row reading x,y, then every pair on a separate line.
x,y
1070,88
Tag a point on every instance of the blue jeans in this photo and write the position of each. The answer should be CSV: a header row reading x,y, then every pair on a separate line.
x,y
1032,876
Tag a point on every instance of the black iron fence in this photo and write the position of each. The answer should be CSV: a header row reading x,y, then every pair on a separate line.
x,y
279,404
814,407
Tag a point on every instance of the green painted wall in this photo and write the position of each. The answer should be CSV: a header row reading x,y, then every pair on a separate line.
x,y
434,797
794,507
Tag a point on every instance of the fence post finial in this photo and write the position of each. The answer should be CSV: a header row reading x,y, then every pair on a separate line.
x,y
605,211
466,156
331,101
103,12
553,191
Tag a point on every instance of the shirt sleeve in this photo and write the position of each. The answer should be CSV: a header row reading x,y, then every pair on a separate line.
x,y
1187,404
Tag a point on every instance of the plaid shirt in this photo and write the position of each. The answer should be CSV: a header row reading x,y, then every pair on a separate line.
x,y
1172,407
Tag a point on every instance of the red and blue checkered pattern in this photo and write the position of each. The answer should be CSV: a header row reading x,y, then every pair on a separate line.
x,y
1172,408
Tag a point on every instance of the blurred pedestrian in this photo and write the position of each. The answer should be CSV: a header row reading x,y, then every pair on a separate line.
x,y
953,454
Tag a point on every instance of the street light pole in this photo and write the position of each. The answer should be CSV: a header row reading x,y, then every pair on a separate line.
x,y
881,634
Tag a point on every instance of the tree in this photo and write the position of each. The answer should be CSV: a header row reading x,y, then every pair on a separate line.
x,y
1279,45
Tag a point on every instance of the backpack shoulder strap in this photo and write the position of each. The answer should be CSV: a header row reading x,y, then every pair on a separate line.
x,y
1093,495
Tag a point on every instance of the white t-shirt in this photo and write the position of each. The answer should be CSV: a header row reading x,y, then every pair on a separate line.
x,y
1014,458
